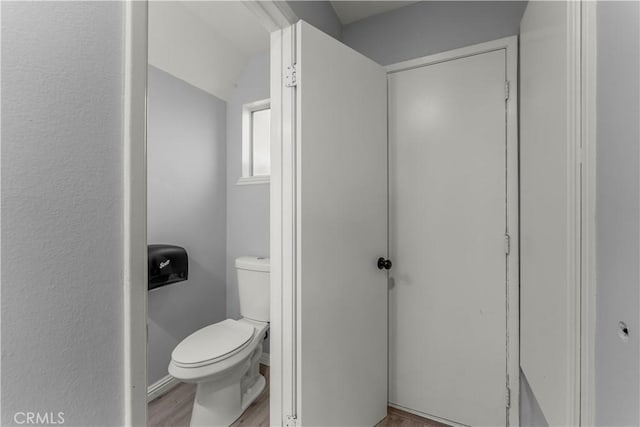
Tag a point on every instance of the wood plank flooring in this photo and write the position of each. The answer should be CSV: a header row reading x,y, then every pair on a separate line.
x,y
174,410
397,418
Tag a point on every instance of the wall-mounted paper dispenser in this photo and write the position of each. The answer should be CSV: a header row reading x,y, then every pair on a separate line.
x,y
167,264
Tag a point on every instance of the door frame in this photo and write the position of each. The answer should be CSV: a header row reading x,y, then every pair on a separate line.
x,y
284,232
274,16
581,185
510,46
134,227
585,41
279,18
580,240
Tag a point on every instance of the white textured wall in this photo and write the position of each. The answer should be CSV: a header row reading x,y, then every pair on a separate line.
x,y
430,27
62,331
186,193
618,214
247,205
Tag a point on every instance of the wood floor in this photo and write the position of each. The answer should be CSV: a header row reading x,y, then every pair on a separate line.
x,y
174,410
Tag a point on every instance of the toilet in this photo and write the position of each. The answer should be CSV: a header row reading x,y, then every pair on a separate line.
x,y
223,359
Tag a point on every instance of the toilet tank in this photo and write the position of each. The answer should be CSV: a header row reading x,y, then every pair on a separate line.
x,y
254,287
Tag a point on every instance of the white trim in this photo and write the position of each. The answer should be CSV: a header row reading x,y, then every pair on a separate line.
x,y
135,215
275,226
1,418
161,387
588,291
273,15
574,196
265,359
296,233
283,232
513,229
476,49
510,45
278,18
251,180
427,416
261,104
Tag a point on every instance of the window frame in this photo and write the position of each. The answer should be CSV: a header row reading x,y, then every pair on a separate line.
x,y
247,143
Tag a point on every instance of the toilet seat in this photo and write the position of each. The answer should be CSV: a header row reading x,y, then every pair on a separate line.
x,y
213,343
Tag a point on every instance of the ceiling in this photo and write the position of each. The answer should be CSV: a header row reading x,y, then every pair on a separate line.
x,y
234,22
207,44
352,11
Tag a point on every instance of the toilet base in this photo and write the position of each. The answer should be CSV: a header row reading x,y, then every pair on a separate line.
x,y
216,408
252,393
222,407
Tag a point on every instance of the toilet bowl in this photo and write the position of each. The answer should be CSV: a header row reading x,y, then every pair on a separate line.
x,y
223,359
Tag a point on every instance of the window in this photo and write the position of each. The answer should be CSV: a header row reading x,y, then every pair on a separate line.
x,y
256,143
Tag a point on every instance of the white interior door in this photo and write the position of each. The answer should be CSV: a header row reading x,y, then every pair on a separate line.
x,y
448,219
341,149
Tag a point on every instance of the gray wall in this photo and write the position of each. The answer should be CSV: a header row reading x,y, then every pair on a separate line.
x,y
62,330
618,214
187,165
247,205
426,28
320,14
530,412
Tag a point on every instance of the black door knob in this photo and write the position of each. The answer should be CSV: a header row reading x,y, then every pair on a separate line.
x,y
384,263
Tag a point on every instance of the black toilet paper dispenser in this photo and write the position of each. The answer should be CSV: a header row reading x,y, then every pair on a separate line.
x,y
167,264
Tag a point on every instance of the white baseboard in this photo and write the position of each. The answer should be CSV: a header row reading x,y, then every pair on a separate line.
x,y
264,359
160,387
425,415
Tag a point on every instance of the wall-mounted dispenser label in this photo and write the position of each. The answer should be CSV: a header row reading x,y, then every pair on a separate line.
x,y
167,264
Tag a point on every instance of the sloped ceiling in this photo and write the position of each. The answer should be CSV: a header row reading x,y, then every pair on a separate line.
x,y
352,11
206,44
233,21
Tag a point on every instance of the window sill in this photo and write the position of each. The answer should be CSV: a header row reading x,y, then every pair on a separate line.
x,y
252,180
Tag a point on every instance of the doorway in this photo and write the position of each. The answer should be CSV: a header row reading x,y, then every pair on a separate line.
x,y
199,80
307,61
453,235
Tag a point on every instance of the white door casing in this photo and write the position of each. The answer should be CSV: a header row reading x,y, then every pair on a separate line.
x,y
453,199
134,214
558,261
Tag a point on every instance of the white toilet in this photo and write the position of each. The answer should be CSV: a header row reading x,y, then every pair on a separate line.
x,y
223,358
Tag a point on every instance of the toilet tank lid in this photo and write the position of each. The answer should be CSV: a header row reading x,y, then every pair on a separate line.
x,y
252,263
